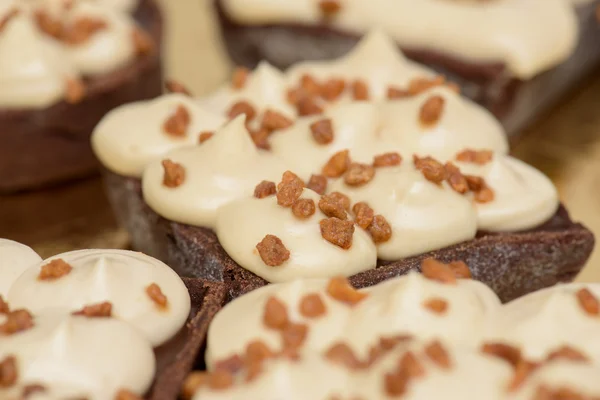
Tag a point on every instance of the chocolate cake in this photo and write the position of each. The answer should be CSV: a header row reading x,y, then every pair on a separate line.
x,y
47,142
269,32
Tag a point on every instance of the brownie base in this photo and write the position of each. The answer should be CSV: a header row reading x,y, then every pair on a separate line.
x,y
515,102
512,264
42,147
176,358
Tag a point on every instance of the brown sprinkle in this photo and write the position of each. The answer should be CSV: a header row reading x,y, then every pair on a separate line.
x,y
8,372
100,310
204,136
239,77
312,306
174,174
420,85
363,214
82,30
322,131
523,370
456,179
567,353
329,8
337,232
178,123
303,208
16,321
265,189
332,89
156,295
317,183
331,206
380,229
431,169
341,290
360,90
272,251
174,86
397,93
337,165
142,42
274,121
359,174
276,315
588,302
508,353
436,305
437,271
54,269
294,335
125,394
289,189
242,107
387,160
4,308
480,157
76,91
438,354
431,110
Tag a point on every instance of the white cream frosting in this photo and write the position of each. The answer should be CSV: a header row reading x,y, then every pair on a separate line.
x,y
225,168
423,216
529,36
122,5
35,68
90,357
131,136
544,321
242,224
523,196
392,308
117,276
15,258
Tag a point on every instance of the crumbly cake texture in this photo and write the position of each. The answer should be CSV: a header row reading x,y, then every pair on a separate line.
x,y
517,103
512,264
41,147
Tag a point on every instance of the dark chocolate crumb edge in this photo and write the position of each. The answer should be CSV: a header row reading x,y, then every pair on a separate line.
x,y
177,359
515,102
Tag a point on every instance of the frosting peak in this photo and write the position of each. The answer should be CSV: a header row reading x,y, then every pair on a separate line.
x,y
15,258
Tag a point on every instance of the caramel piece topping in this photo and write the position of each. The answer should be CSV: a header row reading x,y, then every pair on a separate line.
x,y
290,177
567,353
329,8
332,89
317,183
16,321
174,174
125,394
276,315
312,306
75,92
420,85
380,229
242,107
204,136
341,199
431,169
363,214
220,380
438,354
397,93
232,364
8,372
100,310
331,206
411,366
193,383
55,269
174,86
337,232
239,77
272,251
523,370
359,174
156,295
436,305
480,157
360,90
274,121
265,189
456,179
4,308
342,354
562,393
82,30
178,123
303,208
340,289
431,111
508,353
460,269
588,302
48,25
289,189
258,351
437,271
308,106
483,193
309,85
322,131
260,137
29,390
387,160
142,42
294,335
337,164
395,384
